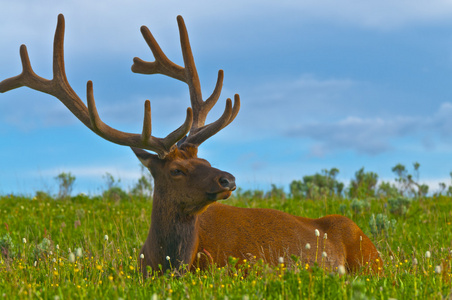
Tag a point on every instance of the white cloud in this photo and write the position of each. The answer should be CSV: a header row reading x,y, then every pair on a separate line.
x,y
384,14
374,135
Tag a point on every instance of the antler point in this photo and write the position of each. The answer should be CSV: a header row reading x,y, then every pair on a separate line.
x,y
60,18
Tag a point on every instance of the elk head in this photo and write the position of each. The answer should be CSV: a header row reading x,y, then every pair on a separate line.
x,y
188,181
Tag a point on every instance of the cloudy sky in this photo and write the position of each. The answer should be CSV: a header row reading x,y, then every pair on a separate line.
x,y
345,84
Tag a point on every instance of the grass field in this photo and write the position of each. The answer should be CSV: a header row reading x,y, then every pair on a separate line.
x,y
87,248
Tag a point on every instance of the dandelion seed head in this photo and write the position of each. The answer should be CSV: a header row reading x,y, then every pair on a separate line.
x,y
168,258
325,236
341,270
308,246
281,260
142,256
78,252
71,257
428,254
415,262
106,238
438,269
317,232
324,255
24,240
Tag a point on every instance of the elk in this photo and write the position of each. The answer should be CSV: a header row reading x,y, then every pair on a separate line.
x,y
188,226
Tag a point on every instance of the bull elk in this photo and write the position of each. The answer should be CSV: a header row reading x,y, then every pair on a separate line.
x,y
188,226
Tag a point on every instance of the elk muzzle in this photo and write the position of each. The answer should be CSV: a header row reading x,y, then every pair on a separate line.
x,y
226,185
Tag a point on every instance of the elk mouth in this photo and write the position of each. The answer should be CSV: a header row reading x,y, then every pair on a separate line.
x,y
220,195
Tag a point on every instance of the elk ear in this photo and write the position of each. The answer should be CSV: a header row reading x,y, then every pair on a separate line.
x,y
145,157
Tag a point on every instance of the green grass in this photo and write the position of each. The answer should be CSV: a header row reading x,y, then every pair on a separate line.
x,y
42,267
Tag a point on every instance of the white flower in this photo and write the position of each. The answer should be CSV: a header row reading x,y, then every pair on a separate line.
x,y
308,246
106,238
142,256
168,258
341,270
324,254
281,260
428,254
78,252
317,232
438,269
24,240
325,236
71,257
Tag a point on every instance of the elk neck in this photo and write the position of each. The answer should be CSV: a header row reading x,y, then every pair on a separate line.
x,y
173,233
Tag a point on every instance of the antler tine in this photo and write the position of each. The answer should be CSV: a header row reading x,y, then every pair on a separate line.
x,y
26,78
205,132
60,88
161,65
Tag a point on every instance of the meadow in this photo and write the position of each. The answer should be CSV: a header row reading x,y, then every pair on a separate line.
x,y
86,247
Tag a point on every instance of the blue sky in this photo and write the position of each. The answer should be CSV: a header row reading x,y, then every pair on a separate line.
x,y
324,84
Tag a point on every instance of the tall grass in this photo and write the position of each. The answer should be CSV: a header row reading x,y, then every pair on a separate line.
x,y
86,247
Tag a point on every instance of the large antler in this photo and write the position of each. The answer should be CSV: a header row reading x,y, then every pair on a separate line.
x,y
199,131
61,89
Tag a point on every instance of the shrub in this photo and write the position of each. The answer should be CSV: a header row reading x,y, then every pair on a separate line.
x,y
399,206
380,224
7,246
66,183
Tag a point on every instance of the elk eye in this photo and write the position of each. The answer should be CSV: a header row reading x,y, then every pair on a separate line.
x,y
177,172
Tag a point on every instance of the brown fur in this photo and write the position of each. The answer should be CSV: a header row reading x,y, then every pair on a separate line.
x,y
189,227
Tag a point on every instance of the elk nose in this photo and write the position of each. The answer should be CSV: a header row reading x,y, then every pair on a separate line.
x,y
227,182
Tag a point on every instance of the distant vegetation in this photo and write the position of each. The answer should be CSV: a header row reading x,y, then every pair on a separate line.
x,y
315,187
365,184
62,246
